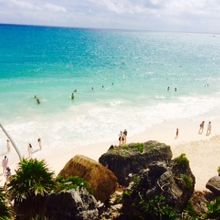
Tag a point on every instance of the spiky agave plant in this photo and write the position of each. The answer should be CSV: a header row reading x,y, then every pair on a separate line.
x,y
4,208
32,178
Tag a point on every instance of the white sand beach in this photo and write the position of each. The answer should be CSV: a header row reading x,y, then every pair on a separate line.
x,y
202,151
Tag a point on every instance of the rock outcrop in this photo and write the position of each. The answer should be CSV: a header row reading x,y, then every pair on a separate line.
x,y
73,204
132,158
102,181
162,189
214,185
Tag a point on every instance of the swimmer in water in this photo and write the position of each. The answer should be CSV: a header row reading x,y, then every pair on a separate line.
x,y
72,96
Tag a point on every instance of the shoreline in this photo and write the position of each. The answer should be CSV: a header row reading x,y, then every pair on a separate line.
x,y
201,150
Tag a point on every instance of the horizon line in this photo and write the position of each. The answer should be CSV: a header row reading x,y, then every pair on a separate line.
x,y
106,29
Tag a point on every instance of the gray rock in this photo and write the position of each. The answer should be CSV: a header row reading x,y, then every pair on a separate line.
x,y
73,204
132,158
214,185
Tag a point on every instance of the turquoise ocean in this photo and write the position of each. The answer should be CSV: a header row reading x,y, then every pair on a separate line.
x,y
135,69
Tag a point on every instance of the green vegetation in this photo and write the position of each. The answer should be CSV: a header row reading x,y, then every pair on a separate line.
x,y
182,160
72,182
157,208
218,171
189,212
187,181
135,147
4,209
39,217
214,209
32,178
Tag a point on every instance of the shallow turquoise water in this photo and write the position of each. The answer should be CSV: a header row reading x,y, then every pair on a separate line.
x,y
52,62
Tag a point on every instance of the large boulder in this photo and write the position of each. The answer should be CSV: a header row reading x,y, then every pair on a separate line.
x,y
102,181
163,189
214,185
74,204
132,158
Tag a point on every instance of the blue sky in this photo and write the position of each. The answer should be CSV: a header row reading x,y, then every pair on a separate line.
x,y
158,15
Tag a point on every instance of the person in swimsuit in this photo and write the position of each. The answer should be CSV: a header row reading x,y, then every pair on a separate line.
x,y
201,127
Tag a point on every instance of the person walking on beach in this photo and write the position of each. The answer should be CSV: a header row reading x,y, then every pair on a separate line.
x,y
175,89
201,127
39,142
4,164
177,133
125,133
168,88
209,128
30,150
8,146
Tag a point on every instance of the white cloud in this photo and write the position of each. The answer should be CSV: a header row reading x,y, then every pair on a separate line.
x,y
179,15
55,8
23,4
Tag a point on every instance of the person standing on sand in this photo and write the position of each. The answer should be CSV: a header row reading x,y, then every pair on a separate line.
x,y
125,133
39,142
30,150
121,138
8,146
4,164
175,89
177,133
209,128
168,88
7,174
201,127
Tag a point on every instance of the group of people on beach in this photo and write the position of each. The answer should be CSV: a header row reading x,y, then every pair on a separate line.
x,y
209,128
123,137
201,129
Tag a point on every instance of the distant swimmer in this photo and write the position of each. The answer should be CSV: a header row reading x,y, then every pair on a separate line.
x,y
38,101
92,88
201,127
72,96
112,84
209,128
175,89
75,90
177,133
168,88
103,86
